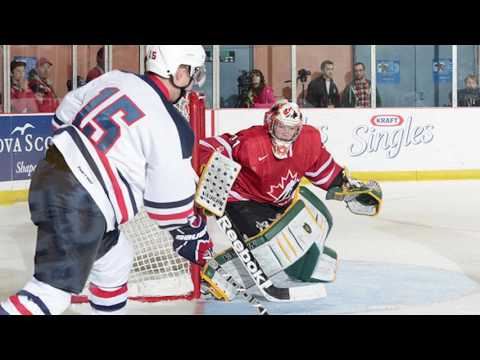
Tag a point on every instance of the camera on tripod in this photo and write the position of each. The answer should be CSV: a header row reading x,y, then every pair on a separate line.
x,y
303,75
244,86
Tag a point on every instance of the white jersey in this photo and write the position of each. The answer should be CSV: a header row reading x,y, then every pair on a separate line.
x,y
127,145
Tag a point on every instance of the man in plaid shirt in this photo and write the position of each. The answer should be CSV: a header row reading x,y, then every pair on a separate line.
x,y
358,92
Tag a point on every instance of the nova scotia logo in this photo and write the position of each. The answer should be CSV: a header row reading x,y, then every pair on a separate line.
x,y
26,145
23,139
22,129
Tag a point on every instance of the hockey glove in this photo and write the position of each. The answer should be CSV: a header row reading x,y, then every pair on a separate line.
x,y
361,198
192,241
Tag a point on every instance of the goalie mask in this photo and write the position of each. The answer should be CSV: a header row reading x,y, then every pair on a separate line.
x,y
164,60
284,122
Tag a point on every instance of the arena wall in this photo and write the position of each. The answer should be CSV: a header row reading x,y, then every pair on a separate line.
x,y
384,144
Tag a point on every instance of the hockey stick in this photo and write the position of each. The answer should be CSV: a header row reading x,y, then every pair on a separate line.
x,y
261,310
256,273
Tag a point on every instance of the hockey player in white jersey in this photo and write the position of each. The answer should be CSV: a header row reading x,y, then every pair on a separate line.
x,y
119,143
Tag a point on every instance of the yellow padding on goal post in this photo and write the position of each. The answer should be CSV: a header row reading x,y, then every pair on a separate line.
x,y
10,197
420,175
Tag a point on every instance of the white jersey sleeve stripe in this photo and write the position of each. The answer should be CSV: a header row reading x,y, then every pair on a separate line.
x,y
225,145
322,168
206,144
325,179
236,195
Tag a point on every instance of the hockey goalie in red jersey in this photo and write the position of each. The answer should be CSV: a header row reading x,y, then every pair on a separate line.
x,y
274,158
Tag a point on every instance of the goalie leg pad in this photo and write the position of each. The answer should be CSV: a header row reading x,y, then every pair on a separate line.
x,y
218,286
304,267
326,268
294,244
315,266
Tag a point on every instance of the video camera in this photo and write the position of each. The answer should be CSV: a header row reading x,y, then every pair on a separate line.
x,y
303,75
244,85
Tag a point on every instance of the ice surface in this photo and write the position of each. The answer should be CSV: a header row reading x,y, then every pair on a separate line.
x,y
421,255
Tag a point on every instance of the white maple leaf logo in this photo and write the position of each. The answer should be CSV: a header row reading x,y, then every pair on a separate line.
x,y
283,191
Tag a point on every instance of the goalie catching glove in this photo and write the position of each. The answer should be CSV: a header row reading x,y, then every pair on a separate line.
x,y
192,241
361,198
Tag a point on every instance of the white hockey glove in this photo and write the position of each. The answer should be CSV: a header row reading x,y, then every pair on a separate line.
x,y
361,198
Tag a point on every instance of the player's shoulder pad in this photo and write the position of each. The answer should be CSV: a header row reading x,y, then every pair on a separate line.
x,y
311,133
252,134
184,129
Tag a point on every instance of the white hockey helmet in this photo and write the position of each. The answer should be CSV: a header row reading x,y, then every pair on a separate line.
x,y
284,122
164,60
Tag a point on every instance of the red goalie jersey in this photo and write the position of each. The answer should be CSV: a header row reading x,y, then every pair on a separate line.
x,y
264,178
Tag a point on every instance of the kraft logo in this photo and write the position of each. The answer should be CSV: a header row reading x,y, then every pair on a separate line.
x,y
387,120
22,129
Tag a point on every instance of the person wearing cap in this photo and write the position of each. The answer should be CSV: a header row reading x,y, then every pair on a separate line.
x,y
41,85
99,69
23,99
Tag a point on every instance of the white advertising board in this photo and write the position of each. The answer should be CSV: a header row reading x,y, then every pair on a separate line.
x,y
393,139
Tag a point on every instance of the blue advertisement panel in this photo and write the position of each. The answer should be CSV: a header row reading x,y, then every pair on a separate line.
x,y
388,71
442,70
23,144
6,166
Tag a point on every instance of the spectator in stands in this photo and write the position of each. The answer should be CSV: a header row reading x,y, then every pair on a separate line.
x,y
41,85
262,94
80,83
359,92
99,69
322,91
22,97
470,96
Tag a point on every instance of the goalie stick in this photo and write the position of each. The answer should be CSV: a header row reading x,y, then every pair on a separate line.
x,y
261,310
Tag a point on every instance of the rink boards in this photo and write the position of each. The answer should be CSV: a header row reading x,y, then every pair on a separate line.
x,y
384,144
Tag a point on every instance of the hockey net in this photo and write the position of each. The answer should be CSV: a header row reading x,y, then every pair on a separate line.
x,y
158,273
